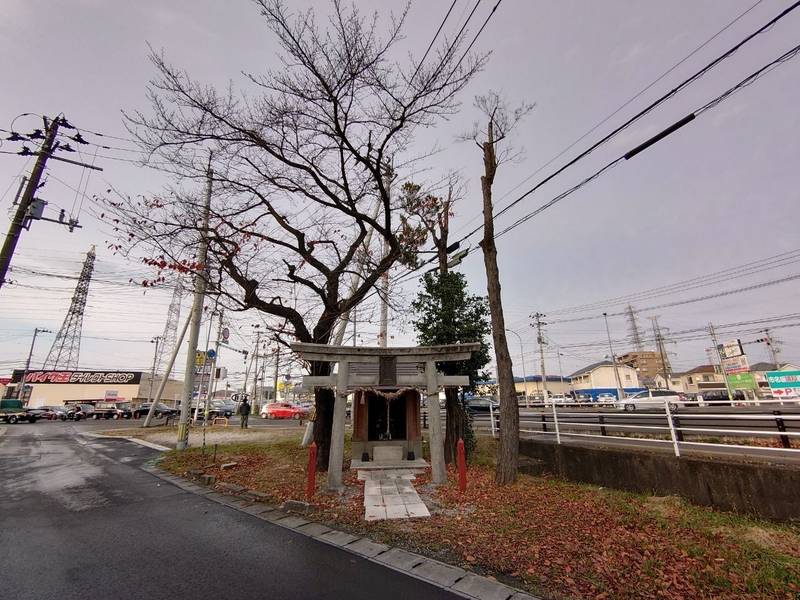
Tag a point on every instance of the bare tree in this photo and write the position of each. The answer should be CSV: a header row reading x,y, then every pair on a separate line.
x,y
297,160
500,122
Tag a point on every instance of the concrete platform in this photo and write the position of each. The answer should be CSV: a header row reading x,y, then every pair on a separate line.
x,y
400,464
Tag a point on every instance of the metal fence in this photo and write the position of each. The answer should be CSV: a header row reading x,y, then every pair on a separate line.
x,y
713,426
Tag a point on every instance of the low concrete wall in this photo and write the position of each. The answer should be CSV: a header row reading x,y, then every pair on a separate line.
x,y
764,490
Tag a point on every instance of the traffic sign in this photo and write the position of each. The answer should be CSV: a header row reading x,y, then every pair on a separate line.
x,y
226,334
211,354
199,358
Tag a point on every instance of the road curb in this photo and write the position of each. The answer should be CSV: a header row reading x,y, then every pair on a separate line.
x,y
447,577
146,444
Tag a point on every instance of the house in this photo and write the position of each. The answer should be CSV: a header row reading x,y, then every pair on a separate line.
x,y
601,378
695,381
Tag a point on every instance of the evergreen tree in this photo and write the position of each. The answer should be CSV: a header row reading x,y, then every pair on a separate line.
x,y
446,313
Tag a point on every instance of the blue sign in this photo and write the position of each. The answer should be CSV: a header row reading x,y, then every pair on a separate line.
x,y
211,354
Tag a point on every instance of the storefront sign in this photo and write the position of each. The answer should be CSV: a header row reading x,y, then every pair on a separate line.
x,y
736,364
784,384
79,377
742,381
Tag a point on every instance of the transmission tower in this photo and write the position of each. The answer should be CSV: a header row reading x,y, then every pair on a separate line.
x,y
634,332
659,337
170,334
66,349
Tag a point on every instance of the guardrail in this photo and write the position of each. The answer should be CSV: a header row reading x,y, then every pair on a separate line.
x,y
704,425
739,426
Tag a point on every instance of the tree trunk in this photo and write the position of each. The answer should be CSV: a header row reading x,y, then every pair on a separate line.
x,y
454,429
323,402
508,449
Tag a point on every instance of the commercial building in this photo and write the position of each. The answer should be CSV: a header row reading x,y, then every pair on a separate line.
x,y
55,388
647,363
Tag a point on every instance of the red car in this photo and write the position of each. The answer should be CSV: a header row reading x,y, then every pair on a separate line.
x,y
283,410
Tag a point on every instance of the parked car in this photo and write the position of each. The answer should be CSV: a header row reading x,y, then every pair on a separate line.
x,y
55,413
654,399
162,410
12,411
40,412
606,399
283,410
74,412
482,404
719,397
112,410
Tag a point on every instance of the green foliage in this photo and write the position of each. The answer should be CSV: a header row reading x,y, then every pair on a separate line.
x,y
446,313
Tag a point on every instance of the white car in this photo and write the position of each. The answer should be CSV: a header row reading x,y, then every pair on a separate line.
x,y
653,399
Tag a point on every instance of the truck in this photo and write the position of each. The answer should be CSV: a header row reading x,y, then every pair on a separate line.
x,y
13,411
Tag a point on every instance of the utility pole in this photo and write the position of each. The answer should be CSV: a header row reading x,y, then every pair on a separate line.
x,y
540,340
524,374
18,222
277,368
255,370
772,344
196,317
21,389
156,340
212,381
560,368
355,279
205,379
719,357
620,389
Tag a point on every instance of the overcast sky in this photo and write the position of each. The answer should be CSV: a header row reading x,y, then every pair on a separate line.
x,y
721,192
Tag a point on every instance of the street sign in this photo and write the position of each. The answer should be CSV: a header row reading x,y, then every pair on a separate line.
x,y
221,373
211,354
784,384
199,358
226,334
742,381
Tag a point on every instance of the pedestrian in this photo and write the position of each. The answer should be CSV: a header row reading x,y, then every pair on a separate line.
x,y
244,413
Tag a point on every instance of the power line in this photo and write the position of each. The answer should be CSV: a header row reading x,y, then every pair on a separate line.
x,y
747,81
433,41
690,300
625,104
750,268
686,82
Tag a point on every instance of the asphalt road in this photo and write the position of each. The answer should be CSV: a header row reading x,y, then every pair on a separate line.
x,y
80,520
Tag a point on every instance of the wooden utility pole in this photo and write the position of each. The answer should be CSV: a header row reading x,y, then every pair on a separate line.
x,y
508,450
18,222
